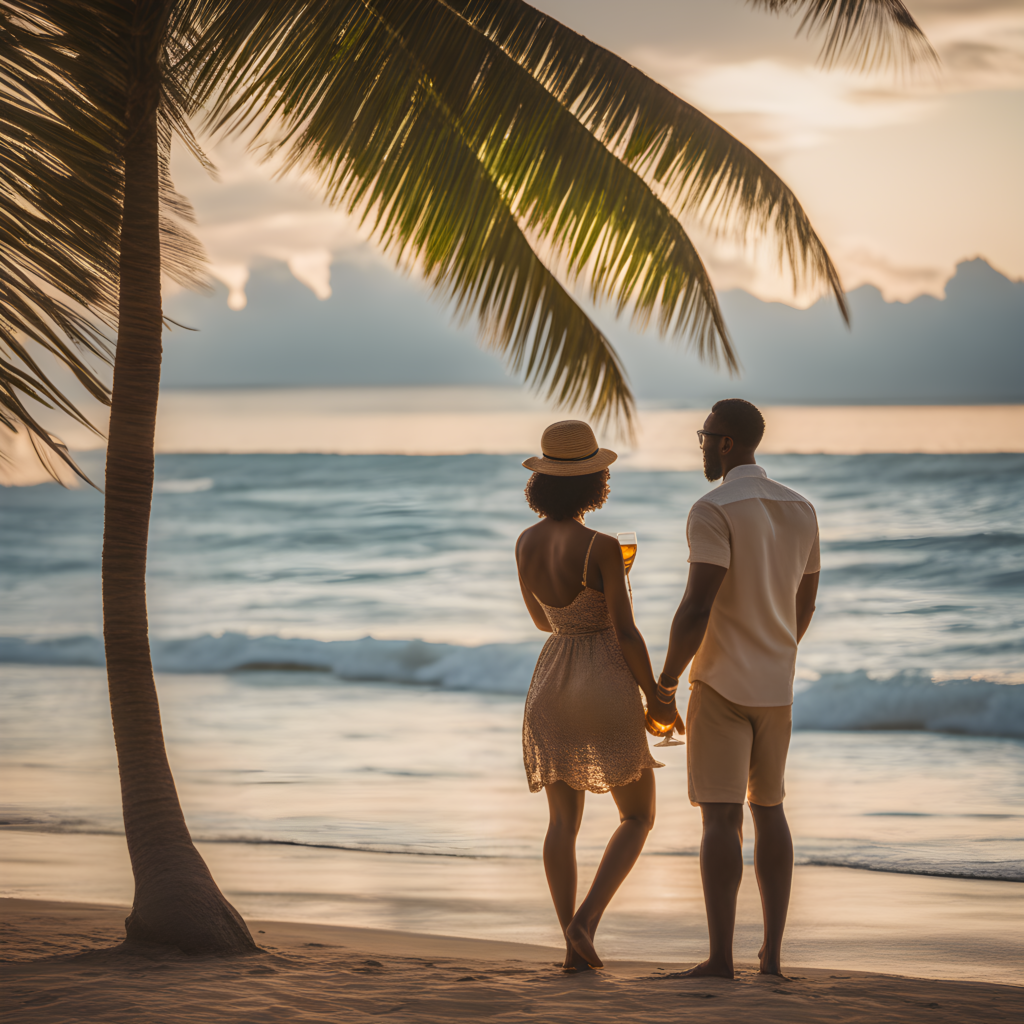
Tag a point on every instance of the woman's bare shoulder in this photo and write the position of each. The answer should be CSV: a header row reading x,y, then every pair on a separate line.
x,y
529,532
526,536
606,544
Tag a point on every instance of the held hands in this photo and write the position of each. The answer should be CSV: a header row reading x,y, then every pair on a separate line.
x,y
662,714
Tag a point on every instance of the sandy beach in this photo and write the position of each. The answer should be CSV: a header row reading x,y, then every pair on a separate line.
x,y
57,967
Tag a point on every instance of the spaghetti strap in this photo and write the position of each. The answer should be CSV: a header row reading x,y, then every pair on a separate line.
x,y
586,561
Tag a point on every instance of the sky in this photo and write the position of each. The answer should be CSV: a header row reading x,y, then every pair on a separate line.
x,y
903,174
906,177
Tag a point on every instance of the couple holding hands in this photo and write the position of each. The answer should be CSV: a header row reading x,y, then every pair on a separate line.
x,y
748,600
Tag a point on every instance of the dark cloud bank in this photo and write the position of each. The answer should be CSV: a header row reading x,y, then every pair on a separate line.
x,y
379,329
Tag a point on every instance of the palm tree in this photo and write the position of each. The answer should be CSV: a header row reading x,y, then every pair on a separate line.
x,y
482,140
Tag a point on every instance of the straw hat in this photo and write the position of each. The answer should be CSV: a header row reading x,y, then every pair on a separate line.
x,y
570,449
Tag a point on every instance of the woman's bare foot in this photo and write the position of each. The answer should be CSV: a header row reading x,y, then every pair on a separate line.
x,y
707,969
574,962
770,964
582,941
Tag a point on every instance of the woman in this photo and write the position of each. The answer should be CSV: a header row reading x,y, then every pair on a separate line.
x,y
584,723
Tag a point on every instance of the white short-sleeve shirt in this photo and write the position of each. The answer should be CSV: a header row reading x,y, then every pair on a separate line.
x,y
766,535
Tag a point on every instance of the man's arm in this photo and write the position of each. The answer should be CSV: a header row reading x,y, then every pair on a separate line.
x,y
690,623
805,595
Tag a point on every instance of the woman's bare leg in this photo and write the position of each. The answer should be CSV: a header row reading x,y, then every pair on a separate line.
x,y
636,816
565,806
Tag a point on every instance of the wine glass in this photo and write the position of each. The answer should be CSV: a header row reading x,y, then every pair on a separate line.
x,y
627,541
669,739
658,729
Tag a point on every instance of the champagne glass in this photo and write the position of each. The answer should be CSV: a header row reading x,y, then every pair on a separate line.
x,y
669,739
666,732
627,541
657,728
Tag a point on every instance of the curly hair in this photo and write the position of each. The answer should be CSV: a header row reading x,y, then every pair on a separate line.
x,y
565,497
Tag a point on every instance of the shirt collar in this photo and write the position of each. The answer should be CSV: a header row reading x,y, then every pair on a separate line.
x,y
737,471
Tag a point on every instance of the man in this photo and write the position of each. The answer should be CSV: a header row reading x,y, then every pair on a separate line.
x,y
749,599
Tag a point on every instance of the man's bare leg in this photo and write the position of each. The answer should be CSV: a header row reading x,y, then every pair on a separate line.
x,y
721,870
773,864
565,808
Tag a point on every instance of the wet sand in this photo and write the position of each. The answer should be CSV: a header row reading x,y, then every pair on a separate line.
x,y
840,919
57,967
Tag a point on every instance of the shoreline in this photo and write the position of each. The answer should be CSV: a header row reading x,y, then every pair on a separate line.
x,y
341,848
840,918
316,972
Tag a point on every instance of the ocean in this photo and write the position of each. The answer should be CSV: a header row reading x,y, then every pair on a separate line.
x,y
342,655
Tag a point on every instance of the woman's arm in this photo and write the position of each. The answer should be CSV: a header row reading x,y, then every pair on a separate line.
x,y
608,555
540,619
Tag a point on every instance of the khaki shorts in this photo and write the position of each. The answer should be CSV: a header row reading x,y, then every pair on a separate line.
x,y
735,753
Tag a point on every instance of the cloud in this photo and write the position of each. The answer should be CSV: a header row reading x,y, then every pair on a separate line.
x,y
313,269
979,64
234,276
780,105
897,282
980,43
248,213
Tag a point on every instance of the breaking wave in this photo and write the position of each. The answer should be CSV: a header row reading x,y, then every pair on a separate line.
x,y
837,701
492,668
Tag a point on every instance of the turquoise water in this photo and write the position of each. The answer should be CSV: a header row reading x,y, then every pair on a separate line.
x,y
344,652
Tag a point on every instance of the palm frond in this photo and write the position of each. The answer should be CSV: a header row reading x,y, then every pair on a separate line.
x,y
62,100
378,97
361,113
864,34
369,125
703,169
562,183
182,256
59,201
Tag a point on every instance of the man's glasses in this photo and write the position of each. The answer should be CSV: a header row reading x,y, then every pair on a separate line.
x,y
701,434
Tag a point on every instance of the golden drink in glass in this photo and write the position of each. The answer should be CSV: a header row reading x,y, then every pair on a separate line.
x,y
627,541
665,731
628,555
657,728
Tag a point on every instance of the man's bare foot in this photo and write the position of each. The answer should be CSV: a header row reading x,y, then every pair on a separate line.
x,y
582,942
707,969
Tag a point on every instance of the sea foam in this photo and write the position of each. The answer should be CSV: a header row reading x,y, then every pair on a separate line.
x,y
837,701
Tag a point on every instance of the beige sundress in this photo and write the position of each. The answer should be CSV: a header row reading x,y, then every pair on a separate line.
x,y
584,720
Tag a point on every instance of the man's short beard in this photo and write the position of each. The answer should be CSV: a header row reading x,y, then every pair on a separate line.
x,y
712,465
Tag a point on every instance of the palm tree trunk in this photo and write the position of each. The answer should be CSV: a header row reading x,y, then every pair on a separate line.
x,y
177,902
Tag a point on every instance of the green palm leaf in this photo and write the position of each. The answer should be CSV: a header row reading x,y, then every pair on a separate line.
x,y
702,169
62,99
58,225
380,138
398,107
